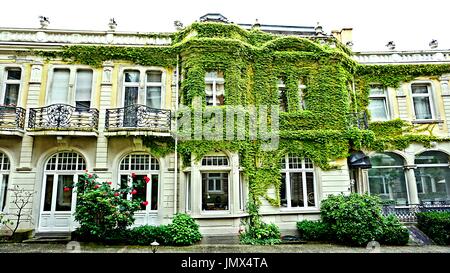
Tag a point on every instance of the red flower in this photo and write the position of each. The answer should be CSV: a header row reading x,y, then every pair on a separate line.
x,y
96,186
116,194
109,183
134,191
133,175
145,203
86,170
67,189
147,179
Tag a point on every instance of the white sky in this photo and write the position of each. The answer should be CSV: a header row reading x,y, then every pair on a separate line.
x,y
410,24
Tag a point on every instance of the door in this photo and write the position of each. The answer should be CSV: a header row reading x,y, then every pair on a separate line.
x,y
131,95
58,202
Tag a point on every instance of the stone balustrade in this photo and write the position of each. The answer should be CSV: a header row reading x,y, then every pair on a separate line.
x,y
402,57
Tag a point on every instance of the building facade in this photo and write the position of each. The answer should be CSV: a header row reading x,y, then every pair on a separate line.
x,y
62,114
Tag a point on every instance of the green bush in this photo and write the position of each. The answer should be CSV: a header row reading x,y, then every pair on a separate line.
x,y
394,233
101,210
183,230
314,231
145,235
435,225
264,234
355,219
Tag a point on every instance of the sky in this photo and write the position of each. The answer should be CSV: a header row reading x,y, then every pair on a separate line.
x,y
410,24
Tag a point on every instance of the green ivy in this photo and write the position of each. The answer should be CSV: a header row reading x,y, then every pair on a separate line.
x,y
252,62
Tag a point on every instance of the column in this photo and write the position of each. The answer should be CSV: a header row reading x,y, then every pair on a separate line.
x,y
412,185
446,99
34,90
101,156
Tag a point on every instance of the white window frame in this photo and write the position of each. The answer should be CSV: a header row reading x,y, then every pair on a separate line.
x,y
214,82
303,170
386,101
301,95
3,172
3,82
56,173
430,95
142,84
149,173
216,169
71,95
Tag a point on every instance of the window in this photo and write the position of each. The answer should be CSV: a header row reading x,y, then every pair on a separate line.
x,y
215,183
63,79
301,94
282,95
150,95
5,167
11,87
378,103
142,165
422,102
188,192
432,176
215,88
83,89
387,178
298,186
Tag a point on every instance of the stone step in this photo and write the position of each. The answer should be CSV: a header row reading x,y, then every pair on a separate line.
x,y
220,240
418,237
50,237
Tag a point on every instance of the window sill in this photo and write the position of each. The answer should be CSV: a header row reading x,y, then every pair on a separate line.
x,y
427,121
215,215
299,210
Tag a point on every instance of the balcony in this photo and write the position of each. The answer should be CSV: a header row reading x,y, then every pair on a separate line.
x,y
63,119
12,120
137,120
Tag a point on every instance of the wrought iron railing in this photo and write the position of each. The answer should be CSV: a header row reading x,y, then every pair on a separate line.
x,y
359,120
139,117
12,118
408,213
63,117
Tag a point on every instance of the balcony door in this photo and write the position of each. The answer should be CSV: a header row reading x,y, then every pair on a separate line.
x,y
58,198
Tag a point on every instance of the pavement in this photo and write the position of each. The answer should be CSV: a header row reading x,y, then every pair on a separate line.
x,y
76,247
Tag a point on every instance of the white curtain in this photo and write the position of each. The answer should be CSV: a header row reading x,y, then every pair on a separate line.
x,y
59,91
83,87
422,107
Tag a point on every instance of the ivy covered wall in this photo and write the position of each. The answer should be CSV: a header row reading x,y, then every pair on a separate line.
x,y
252,62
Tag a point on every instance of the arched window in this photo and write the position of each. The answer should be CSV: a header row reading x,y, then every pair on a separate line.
x,y
387,178
5,167
215,172
135,167
432,176
61,171
298,185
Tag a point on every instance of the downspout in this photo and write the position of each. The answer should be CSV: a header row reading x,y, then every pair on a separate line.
x,y
175,196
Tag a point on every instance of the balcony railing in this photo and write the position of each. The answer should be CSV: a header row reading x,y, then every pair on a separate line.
x,y
408,213
63,117
138,117
359,120
12,118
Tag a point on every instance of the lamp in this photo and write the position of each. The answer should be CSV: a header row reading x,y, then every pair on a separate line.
x,y
154,245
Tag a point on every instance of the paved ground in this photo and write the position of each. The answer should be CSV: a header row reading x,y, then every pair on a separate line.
x,y
302,248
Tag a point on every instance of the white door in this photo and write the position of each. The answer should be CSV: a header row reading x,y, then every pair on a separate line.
x,y
58,202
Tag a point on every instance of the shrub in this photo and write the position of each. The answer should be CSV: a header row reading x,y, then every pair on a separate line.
x,y
393,232
354,219
100,210
314,230
257,232
435,225
264,234
145,235
183,230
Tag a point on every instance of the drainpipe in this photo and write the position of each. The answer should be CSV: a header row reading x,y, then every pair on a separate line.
x,y
175,196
